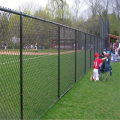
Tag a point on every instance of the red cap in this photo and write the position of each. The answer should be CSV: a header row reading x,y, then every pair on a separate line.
x,y
96,55
106,54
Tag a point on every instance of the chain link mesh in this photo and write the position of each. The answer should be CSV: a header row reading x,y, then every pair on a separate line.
x,y
92,50
87,52
67,59
9,66
80,56
49,69
40,67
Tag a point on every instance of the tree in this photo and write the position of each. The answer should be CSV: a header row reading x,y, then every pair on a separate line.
x,y
76,8
14,30
29,7
43,13
28,30
94,6
106,4
116,8
59,10
114,24
4,36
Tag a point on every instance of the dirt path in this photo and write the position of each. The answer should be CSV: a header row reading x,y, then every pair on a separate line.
x,y
32,53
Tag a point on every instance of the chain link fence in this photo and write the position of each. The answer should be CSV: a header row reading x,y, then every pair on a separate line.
x,y
40,61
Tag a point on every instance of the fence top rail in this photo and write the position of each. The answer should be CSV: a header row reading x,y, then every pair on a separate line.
x,y
37,18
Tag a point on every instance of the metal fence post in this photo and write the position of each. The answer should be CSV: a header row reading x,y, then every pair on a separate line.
x,y
101,45
75,52
97,44
90,51
94,47
85,54
21,81
58,62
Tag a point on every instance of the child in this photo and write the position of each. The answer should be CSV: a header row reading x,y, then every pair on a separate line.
x,y
96,63
5,46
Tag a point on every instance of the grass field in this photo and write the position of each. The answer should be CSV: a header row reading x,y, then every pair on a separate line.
x,y
40,82
90,100
34,50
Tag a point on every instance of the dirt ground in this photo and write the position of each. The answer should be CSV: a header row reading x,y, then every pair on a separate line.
x,y
33,53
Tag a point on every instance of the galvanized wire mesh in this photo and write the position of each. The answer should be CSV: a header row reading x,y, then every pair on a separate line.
x,y
40,61
9,66
40,67
80,55
67,59
87,52
92,50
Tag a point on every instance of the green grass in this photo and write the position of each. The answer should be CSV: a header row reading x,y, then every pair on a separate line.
x,y
40,74
40,83
40,87
33,50
90,100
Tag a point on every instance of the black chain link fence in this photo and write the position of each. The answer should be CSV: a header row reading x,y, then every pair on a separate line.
x,y
40,61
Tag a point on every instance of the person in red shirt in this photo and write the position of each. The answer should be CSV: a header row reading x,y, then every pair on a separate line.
x,y
96,64
115,46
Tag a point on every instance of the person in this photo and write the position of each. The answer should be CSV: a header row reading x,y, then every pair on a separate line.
x,y
117,43
31,46
43,46
119,49
82,48
105,65
36,46
89,46
102,65
115,47
74,46
108,55
107,46
5,46
96,64
111,49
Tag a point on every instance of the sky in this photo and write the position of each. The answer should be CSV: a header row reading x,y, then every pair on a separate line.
x,y
14,4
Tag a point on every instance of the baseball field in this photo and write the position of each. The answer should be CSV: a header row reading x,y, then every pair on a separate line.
x,y
40,80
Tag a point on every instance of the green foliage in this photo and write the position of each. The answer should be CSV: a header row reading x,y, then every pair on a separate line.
x,y
4,23
59,11
115,33
13,22
28,28
43,13
104,15
9,46
114,25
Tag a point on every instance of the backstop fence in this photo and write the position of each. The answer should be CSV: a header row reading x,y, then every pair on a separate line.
x,y
39,62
